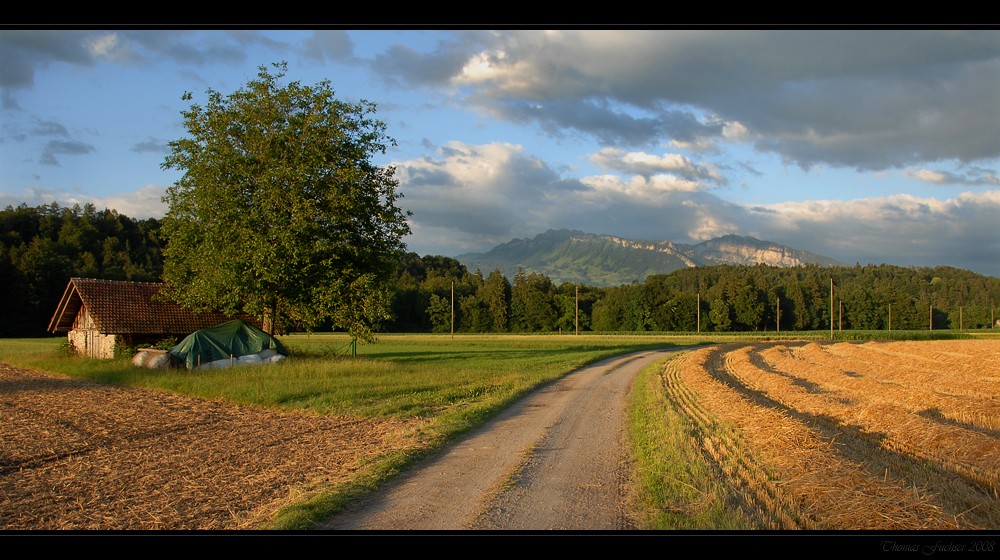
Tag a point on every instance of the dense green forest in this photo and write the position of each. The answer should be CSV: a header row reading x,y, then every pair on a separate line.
x,y
731,298
43,247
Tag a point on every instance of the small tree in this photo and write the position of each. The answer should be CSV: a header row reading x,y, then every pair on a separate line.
x,y
281,210
495,294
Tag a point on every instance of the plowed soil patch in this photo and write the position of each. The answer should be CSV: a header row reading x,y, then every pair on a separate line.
x,y
78,455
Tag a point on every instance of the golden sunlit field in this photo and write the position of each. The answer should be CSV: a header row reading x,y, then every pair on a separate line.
x,y
849,436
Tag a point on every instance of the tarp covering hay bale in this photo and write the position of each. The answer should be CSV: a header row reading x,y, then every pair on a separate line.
x,y
228,344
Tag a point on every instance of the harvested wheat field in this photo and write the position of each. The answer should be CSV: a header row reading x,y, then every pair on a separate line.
x,y
850,436
81,456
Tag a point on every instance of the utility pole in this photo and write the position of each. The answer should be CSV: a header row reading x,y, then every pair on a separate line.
x,y
453,309
831,309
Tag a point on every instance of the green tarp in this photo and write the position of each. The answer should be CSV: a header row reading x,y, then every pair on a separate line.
x,y
228,341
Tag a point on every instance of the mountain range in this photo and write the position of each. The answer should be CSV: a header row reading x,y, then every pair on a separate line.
x,y
606,260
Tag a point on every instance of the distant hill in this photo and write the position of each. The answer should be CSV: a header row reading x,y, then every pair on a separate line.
x,y
606,260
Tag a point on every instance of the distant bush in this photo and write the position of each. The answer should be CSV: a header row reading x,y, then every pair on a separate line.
x,y
165,344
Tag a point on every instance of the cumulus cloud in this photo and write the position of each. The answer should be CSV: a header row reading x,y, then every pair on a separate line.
x,y
638,187
864,99
735,131
696,145
25,51
404,65
190,47
972,176
899,229
329,44
146,202
474,197
140,204
492,190
488,194
641,163
102,45
929,176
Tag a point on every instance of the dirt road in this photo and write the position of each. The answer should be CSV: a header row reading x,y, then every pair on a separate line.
x,y
555,460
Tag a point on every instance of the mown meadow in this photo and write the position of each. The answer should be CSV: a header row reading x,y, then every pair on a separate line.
x,y
453,383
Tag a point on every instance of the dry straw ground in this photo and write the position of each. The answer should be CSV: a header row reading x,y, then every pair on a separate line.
x,y
877,435
76,455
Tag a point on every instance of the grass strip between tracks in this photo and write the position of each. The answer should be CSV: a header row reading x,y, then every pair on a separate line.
x,y
675,487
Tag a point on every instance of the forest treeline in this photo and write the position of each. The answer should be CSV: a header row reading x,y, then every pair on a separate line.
x,y
45,246
730,298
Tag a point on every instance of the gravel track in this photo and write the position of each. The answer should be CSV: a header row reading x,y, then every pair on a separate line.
x,y
556,460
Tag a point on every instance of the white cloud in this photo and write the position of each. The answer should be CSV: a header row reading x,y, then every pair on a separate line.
x,y
102,45
145,202
329,44
970,176
640,188
650,165
900,229
928,176
666,162
475,197
735,131
482,67
696,145
811,96
140,204
490,189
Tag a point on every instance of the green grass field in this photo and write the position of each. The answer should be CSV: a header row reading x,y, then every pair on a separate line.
x,y
454,383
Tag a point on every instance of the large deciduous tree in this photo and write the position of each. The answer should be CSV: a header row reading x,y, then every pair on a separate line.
x,y
281,211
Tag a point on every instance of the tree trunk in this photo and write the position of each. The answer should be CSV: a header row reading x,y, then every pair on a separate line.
x,y
270,321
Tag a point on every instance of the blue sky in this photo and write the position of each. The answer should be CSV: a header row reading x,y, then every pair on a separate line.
x,y
869,146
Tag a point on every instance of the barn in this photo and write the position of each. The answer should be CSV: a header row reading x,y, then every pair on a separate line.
x,y
100,315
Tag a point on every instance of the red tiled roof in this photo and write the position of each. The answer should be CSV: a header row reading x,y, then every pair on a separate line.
x,y
127,308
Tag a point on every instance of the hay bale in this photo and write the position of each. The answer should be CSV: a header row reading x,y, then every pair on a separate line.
x,y
152,358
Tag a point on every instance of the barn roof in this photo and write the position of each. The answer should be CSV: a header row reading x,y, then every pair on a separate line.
x,y
118,307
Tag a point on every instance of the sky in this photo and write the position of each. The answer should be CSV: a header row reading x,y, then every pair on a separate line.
x,y
868,146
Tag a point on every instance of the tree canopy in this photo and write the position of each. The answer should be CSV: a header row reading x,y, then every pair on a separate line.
x,y
42,248
717,298
281,211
